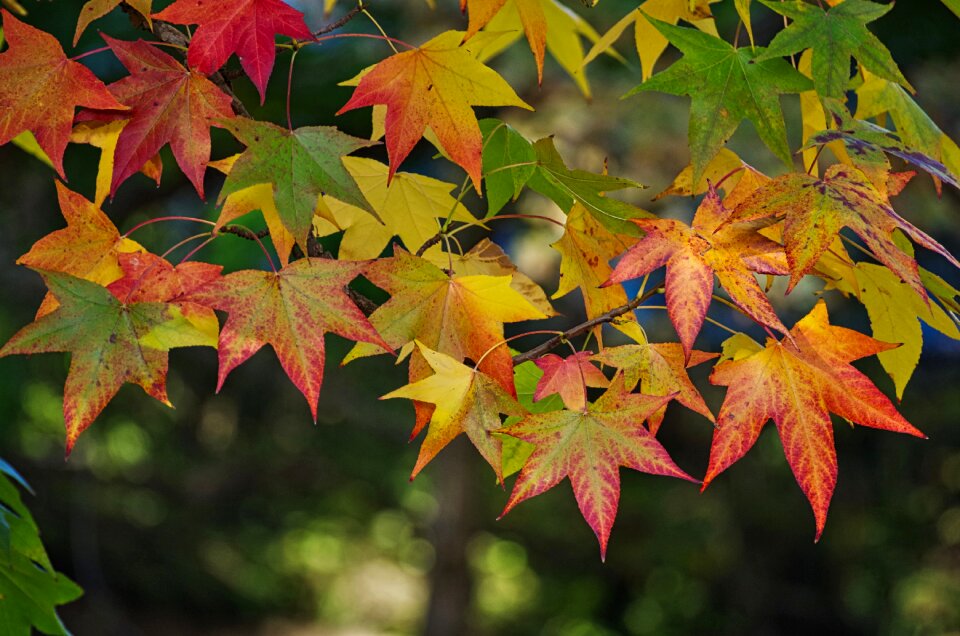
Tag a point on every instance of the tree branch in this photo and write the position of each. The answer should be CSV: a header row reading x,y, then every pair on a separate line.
x,y
333,26
584,327
243,232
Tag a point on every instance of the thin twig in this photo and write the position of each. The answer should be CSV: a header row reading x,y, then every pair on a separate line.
x,y
333,26
244,232
433,240
584,327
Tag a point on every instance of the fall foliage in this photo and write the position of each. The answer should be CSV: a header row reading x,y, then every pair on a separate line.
x,y
441,307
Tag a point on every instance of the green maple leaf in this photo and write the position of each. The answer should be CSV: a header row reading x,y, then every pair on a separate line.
x,y
727,85
301,164
834,36
30,589
111,342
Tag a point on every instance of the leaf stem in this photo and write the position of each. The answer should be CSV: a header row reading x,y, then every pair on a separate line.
x,y
163,219
184,242
364,11
293,58
88,53
335,36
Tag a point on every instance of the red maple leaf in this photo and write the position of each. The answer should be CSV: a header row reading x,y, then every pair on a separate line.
x,y
797,385
168,104
245,27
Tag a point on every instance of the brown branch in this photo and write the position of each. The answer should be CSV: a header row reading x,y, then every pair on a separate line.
x,y
433,240
583,328
333,26
243,232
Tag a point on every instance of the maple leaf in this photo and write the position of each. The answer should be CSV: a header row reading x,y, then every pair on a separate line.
x,y
660,369
816,209
693,254
877,97
408,206
112,342
649,42
168,104
40,87
895,313
460,316
569,377
532,17
88,248
797,385
105,135
301,164
835,35
486,258
586,248
466,400
245,27
290,310
96,9
726,85
509,161
255,197
589,448
866,142
434,85
564,34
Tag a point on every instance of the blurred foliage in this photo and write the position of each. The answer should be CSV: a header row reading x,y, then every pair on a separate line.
x,y
234,515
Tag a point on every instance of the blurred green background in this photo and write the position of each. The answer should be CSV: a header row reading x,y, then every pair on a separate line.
x,y
233,514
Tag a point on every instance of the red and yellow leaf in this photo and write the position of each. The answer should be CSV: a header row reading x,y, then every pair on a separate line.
x,y
460,316
590,447
693,254
569,377
466,401
434,85
660,369
87,248
40,88
816,209
290,310
168,104
532,17
797,385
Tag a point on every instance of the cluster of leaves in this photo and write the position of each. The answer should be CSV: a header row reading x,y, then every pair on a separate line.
x,y
119,309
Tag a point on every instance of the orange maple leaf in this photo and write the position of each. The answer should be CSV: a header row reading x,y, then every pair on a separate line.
x,y
693,254
40,87
532,17
797,385
434,85
816,209
87,248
